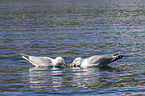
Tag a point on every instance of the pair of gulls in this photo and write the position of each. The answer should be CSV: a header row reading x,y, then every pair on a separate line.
x,y
96,60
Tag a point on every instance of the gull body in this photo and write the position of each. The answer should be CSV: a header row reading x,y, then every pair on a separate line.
x,y
96,60
44,61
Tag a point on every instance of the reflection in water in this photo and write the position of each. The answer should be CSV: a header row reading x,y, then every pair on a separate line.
x,y
94,78
71,28
45,77
58,79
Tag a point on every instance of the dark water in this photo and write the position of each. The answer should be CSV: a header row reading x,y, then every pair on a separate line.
x,y
72,28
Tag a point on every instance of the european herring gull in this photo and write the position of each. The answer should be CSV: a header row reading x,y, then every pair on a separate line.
x,y
44,61
96,60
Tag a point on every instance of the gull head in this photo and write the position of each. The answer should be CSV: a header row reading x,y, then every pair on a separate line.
x,y
76,62
59,61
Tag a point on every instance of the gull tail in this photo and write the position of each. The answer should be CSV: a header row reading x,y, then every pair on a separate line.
x,y
117,56
25,56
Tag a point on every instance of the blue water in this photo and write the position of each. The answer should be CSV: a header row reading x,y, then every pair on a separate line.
x,y
72,28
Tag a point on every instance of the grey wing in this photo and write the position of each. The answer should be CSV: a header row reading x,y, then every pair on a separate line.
x,y
41,61
100,59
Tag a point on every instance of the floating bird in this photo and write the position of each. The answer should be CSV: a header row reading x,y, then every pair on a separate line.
x,y
96,60
44,61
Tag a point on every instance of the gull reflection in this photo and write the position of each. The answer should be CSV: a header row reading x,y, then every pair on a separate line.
x,y
45,77
94,77
63,79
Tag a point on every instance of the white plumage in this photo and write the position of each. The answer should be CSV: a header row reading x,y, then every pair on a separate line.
x,y
96,60
44,61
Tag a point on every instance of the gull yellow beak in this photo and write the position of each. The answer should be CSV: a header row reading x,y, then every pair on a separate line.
x,y
64,64
71,64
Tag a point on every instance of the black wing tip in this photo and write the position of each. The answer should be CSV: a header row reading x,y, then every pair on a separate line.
x,y
117,57
24,56
120,56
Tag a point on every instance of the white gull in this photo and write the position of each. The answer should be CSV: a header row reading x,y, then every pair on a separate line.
x,y
96,60
44,61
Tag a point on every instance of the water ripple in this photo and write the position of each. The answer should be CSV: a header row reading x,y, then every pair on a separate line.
x,y
72,29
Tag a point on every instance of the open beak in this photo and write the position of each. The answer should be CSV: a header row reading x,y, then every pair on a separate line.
x,y
64,64
71,64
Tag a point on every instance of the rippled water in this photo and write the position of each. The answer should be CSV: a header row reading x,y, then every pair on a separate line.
x,y
72,28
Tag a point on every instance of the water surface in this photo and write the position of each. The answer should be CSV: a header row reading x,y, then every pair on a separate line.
x,y
71,29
